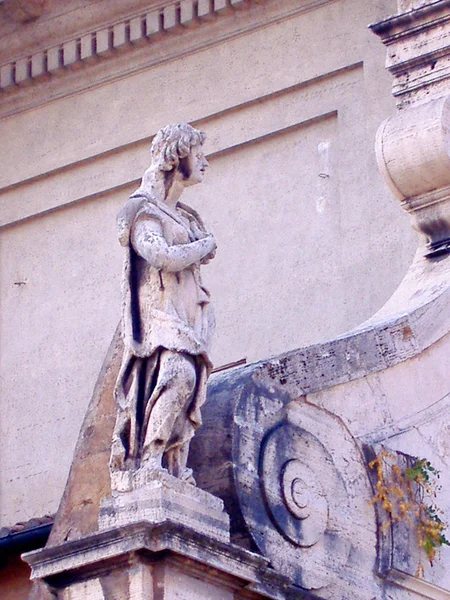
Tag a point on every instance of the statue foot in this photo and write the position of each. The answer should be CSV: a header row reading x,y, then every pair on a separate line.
x,y
152,464
187,476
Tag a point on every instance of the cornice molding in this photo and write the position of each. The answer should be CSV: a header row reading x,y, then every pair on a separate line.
x,y
122,48
122,35
407,23
418,47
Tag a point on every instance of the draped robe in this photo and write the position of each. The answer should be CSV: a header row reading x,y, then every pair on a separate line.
x,y
162,311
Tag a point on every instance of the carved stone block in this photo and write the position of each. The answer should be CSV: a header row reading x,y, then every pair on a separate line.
x,y
6,76
157,497
87,47
54,59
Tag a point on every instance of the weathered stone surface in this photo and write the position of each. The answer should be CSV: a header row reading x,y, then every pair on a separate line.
x,y
413,156
412,146
42,591
297,138
386,381
157,497
247,408
418,50
301,486
89,479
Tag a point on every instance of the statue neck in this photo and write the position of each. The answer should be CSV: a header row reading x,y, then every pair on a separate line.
x,y
153,184
173,194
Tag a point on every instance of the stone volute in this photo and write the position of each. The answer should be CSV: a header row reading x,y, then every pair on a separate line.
x,y
294,482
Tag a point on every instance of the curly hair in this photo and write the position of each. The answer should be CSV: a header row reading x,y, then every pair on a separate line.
x,y
172,143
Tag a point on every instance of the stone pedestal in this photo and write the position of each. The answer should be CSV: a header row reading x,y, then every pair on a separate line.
x,y
157,497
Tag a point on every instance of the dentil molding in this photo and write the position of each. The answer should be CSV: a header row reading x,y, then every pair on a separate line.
x,y
174,28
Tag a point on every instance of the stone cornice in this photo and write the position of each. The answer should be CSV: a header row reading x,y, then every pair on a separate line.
x,y
198,553
418,48
173,28
406,23
121,35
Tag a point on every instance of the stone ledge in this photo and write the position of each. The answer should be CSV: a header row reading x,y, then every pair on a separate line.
x,y
418,47
98,552
419,586
415,317
402,24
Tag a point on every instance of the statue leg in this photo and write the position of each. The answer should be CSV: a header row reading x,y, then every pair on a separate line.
x,y
124,447
169,401
177,461
188,421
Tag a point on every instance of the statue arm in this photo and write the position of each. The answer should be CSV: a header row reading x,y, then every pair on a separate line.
x,y
148,241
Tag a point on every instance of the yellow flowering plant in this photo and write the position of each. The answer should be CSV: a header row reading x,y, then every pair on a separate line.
x,y
408,495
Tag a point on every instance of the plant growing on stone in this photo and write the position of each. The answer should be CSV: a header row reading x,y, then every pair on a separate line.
x,y
407,494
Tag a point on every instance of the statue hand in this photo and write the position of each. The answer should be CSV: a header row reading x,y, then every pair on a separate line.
x,y
212,244
210,248
207,259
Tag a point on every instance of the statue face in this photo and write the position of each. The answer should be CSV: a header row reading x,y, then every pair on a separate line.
x,y
196,165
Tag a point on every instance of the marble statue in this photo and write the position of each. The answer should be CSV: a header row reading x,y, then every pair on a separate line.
x,y
167,316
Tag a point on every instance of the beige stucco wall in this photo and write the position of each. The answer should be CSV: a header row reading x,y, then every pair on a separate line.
x,y
310,241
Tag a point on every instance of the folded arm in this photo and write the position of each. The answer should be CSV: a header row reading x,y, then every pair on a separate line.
x,y
148,241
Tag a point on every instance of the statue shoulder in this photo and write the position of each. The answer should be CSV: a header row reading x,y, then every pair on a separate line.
x,y
135,207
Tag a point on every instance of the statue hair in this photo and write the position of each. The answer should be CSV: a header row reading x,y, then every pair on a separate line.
x,y
171,144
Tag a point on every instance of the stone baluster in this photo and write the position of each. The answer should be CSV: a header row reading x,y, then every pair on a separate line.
x,y
413,145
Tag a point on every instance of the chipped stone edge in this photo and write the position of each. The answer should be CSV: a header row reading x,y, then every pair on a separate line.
x,y
401,330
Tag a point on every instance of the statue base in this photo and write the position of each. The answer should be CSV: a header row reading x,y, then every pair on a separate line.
x,y
156,497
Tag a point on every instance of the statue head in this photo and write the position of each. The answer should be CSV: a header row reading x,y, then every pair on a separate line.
x,y
176,155
172,144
